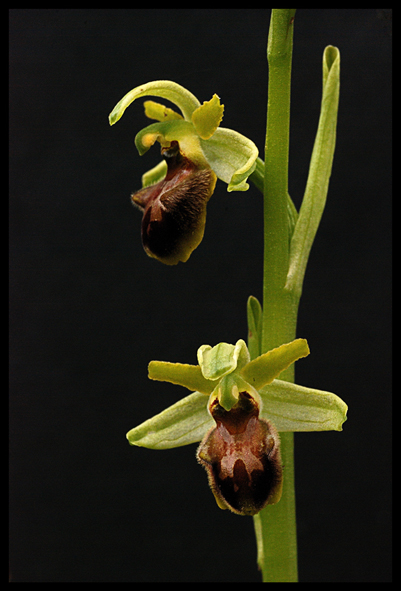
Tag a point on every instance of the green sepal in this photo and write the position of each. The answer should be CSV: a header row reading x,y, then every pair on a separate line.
x,y
178,95
218,361
254,316
231,156
183,423
265,368
291,407
189,376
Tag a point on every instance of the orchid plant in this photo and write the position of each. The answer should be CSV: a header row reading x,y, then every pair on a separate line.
x,y
244,405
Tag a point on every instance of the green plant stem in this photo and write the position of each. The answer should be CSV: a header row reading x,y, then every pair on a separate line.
x,y
277,302
288,240
275,525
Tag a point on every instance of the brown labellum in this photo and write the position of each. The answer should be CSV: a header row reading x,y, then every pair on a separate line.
x,y
241,456
174,210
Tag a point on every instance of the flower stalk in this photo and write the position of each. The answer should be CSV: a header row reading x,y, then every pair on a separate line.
x,y
288,238
275,526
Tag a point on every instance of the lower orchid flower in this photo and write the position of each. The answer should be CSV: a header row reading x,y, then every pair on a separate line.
x,y
237,409
196,152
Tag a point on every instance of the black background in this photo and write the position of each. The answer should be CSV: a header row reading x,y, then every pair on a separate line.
x,y
89,309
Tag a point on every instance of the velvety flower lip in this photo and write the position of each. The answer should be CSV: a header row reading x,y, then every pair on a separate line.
x,y
174,209
237,409
241,456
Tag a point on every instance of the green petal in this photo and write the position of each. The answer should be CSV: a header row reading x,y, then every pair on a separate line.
x,y
232,156
155,174
207,117
160,112
187,421
189,376
295,408
266,367
218,361
171,91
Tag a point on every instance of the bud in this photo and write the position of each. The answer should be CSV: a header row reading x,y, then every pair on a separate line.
x,y
174,209
241,456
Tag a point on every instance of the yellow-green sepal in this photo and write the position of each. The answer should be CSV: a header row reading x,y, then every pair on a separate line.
x,y
183,423
295,408
232,157
265,368
175,93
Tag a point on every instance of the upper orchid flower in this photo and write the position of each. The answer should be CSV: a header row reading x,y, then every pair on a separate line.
x,y
196,152
236,410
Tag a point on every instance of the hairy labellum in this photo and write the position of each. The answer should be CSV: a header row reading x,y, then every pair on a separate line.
x,y
241,456
174,210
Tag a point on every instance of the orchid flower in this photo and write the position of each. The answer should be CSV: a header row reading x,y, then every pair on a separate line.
x,y
237,409
196,152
